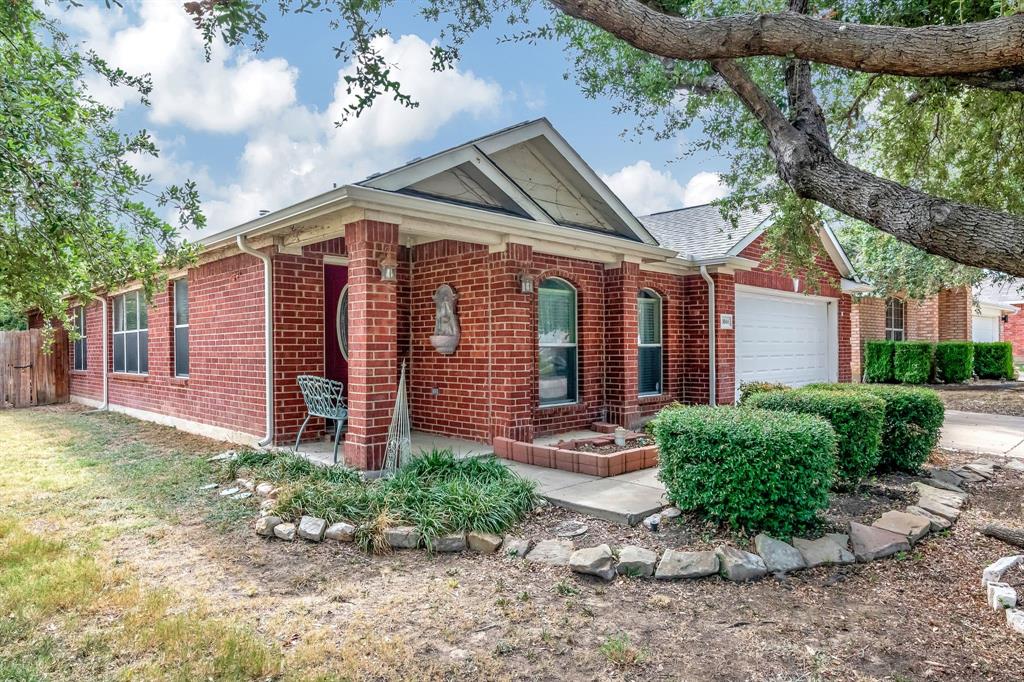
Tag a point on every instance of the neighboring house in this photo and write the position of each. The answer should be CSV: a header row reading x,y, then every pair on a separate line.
x,y
569,309
996,316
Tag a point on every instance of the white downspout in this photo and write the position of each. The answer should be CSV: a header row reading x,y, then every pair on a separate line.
x,y
268,326
106,357
712,376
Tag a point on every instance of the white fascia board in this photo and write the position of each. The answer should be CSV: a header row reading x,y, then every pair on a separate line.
x,y
751,236
995,309
849,286
543,128
828,239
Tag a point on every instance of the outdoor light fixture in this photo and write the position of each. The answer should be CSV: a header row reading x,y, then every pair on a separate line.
x,y
388,268
525,282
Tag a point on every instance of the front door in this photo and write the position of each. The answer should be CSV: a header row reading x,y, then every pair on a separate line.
x,y
336,323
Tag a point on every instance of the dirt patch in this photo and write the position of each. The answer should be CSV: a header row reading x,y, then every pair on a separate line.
x,y
610,448
985,396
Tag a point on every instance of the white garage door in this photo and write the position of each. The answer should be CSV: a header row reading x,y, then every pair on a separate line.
x,y
784,339
984,329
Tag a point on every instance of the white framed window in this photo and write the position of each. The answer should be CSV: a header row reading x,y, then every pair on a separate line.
x,y
895,320
649,346
341,322
81,345
131,333
556,337
181,351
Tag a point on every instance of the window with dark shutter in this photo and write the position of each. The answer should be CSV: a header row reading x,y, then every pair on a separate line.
x,y
649,350
181,351
556,336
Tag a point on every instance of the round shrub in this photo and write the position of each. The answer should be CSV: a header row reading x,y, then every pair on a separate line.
x,y
954,361
912,362
878,367
753,469
913,418
857,418
994,360
749,389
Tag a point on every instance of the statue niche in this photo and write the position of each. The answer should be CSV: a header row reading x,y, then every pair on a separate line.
x,y
446,323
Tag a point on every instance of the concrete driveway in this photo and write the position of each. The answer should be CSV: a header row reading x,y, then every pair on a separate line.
x,y
992,434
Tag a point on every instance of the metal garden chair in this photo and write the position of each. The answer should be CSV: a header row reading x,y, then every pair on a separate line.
x,y
324,398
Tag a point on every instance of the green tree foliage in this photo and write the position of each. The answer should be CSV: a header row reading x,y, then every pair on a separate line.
x,y
74,213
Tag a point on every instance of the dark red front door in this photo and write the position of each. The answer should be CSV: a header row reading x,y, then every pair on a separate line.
x,y
336,323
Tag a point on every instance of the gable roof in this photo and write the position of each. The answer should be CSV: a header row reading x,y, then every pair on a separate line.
x,y
527,170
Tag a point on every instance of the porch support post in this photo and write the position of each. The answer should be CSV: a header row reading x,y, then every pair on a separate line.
x,y
622,284
373,342
513,344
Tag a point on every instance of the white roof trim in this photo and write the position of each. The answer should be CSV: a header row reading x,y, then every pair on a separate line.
x,y
851,287
828,239
750,238
996,307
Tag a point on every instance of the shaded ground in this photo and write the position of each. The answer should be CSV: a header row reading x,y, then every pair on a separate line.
x,y
984,396
126,494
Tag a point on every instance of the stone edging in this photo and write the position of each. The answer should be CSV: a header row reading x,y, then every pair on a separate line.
x,y
1001,596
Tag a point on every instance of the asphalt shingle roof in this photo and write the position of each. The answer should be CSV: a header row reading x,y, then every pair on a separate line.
x,y
1004,291
700,231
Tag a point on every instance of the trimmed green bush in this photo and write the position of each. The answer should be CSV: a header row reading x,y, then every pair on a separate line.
x,y
913,417
752,388
878,367
994,360
912,362
753,469
954,361
856,417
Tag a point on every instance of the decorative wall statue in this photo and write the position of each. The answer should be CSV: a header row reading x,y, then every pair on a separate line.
x,y
446,323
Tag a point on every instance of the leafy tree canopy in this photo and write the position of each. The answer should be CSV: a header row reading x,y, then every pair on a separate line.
x,y
75,215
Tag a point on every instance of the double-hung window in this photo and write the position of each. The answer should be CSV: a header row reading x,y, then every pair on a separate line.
x,y
895,326
649,355
81,346
181,327
131,333
556,332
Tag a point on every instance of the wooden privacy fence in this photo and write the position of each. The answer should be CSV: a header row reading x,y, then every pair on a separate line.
x,y
28,375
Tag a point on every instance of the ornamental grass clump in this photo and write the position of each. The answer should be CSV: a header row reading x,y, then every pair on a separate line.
x,y
752,469
856,417
436,492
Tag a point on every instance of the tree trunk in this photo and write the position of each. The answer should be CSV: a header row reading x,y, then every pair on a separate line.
x,y
1010,537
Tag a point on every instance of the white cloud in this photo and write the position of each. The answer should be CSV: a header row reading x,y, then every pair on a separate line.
x,y
645,189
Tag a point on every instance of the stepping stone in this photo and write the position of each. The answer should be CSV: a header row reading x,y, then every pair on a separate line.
x,y
485,543
340,532
311,528
944,485
823,551
993,573
1015,465
598,561
675,565
946,512
994,463
551,552
969,476
936,522
402,537
636,562
453,542
946,476
229,491
265,525
984,470
515,547
779,556
871,543
910,526
570,529
1015,619
1001,596
285,531
946,497
739,566
209,486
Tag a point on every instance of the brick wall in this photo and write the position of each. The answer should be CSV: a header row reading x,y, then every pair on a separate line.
x,y
1013,331
89,383
954,309
225,386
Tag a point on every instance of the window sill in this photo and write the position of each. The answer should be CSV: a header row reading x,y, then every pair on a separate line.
x,y
128,376
179,381
548,406
80,371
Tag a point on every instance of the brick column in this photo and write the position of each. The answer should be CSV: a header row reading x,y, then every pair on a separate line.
x,y
921,319
621,381
955,313
513,345
373,343
725,339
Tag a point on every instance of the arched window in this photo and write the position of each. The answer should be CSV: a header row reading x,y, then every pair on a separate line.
x,y
895,325
649,350
341,321
556,336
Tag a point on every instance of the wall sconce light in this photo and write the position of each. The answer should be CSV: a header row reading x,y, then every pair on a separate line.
x,y
388,268
525,282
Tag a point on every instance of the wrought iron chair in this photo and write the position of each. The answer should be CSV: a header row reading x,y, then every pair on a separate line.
x,y
324,398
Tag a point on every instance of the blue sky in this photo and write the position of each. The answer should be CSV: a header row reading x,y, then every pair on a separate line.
x,y
256,131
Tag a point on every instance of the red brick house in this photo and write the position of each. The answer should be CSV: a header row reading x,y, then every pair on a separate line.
x,y
996,315
570,310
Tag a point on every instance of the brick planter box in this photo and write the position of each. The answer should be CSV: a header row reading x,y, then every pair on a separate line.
x,y
563,456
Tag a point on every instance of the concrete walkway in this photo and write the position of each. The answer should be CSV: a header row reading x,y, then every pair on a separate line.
x,y
992,434
621,499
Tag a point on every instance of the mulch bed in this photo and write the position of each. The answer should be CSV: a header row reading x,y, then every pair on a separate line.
x,y
990,397
631,443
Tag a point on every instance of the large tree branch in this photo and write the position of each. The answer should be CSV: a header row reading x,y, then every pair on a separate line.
x,y
971,235
921,51
1007,80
